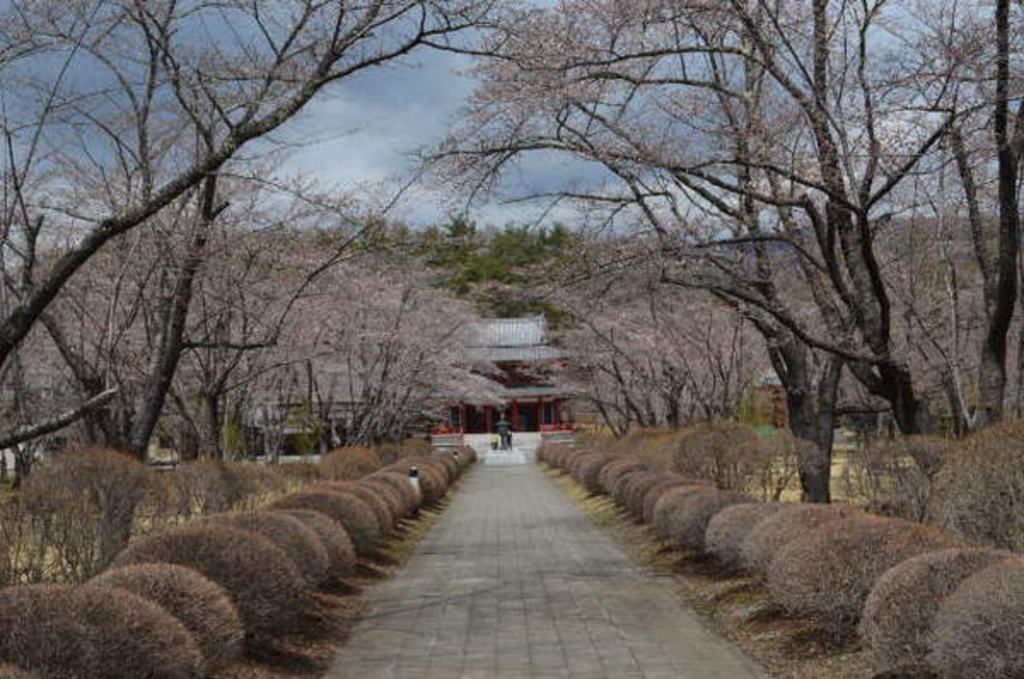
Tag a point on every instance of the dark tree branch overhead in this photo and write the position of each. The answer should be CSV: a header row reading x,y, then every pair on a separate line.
x,y
59,422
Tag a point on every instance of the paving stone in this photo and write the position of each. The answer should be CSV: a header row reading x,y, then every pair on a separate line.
x,y
514,582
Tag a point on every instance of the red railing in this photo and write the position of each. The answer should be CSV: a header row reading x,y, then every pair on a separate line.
x,y
447,431
565,426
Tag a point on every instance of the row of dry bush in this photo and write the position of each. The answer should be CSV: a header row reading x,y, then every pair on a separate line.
x,y
76,513
970,487
213,596
727,455
923,600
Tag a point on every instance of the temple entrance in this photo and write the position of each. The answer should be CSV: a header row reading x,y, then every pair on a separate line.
x,y
476,419
529,418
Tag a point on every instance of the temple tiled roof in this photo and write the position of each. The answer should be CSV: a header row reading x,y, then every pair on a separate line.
x,y
512,339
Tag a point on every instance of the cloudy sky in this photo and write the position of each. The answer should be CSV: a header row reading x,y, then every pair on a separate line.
x,y
367,129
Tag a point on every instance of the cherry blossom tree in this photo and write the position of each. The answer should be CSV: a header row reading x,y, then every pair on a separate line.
x,y
118,112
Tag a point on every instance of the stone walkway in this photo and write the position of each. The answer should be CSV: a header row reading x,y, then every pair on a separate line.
x,y
514,581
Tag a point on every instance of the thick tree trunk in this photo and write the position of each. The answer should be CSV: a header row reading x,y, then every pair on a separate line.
x,y
171,333
811,394
210,446
1001,293
812,417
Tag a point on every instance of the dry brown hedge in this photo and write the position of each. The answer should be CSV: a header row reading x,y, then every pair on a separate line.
x,y
36,634
263,583
347,509
631,493
388,495
618,488
12,672
667,505
433,483
134,637
613,471
341,553
791,521
294,538
719,452
828,573
690,519
586,469
85,505
411,498
971,491
381,511
88,632
730,527
298,473
451,467
897,620
978,632
353,462
210,486
201,605
659,489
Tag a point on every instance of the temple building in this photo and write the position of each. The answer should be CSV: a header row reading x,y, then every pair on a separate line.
x,y
527,395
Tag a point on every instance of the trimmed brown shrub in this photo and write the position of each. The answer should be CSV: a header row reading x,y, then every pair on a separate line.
x,y
263,583
450,465
12,672
562,456
568,455
618,488
690,520
381,511
251,484
93,632
729,528
414,447
631,494
433,484
298,473
895,476
84,506
411,497
347,509
897,620
613,471
300,543
341,553
975,487
587,469
718,452
828,573
201,487
211,486
353,462
655,493
467,456
789,523
668,504
36,634
134,637
978,632
201,605
388,495
775,463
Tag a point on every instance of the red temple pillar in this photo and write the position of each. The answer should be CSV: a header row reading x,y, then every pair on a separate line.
x,y
515,415
462,416
489,418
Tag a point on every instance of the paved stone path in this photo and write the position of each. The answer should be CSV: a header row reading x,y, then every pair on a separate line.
x,y
515,582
